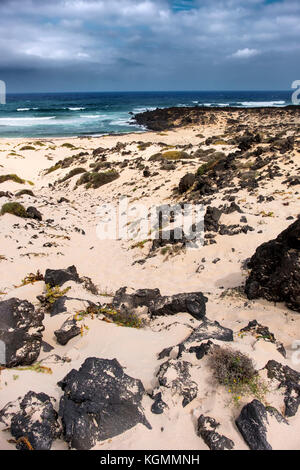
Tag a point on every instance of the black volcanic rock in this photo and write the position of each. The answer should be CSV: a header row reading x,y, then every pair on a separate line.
x,y
158,305
57,277
207,430
174,378
253,424
21,330
68,330
32,417
100,401
186,182
288,380
275,269
33,213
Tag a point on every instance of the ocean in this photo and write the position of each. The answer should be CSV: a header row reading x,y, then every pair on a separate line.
x,y
77,114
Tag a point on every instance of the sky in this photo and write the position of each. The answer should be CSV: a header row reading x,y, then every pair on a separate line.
x,y
137,45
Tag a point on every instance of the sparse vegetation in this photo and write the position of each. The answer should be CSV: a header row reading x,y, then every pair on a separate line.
x,y
54,293
27,147
175,155
121,318
68,145
140,244
55,167
144,145
73,172
95,180
31,278
36,368
237,373
14,208
26,192
206,167
12,177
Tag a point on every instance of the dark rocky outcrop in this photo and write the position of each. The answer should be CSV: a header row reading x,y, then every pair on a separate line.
x,y
174,377
67,331
158,305
21,330
289,380
263,332
275,269
207,330
186,182
32,417
211,219
57,277
207,430
67,304
159,405
168,118
100,401
253,424
33,213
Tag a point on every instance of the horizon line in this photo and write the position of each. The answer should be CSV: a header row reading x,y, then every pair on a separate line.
x,y
144,91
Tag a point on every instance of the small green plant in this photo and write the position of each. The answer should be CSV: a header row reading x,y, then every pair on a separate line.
x,y
54,293
95,180
73,172
206,167
12,177
112,315
26,192
140,244
27,147
175,155
68,145
122,318
165,250
14,208
144,145
236,372
37,367
31,278
55,167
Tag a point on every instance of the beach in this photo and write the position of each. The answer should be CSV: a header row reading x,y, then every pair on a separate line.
x,y
257,193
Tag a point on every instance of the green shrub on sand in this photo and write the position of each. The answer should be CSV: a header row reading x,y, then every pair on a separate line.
x,y
14,208
175,155
26,192
73,172
12,177
95,180
27,147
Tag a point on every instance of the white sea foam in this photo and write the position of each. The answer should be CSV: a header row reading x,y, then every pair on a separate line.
x,y
32,121
143,109
76,109
26,109
261,103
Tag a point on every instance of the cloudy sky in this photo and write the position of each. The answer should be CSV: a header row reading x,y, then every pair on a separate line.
x,y
95,45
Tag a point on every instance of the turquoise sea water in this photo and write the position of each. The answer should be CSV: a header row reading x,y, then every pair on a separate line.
x,y
76,114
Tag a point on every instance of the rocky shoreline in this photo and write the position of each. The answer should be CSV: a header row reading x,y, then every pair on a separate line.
x,y
153,343
162,119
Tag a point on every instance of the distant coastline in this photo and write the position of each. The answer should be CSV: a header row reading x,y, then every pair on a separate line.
x,y
44,115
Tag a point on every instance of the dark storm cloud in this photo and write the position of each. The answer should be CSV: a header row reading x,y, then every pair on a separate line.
x,y
149,44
